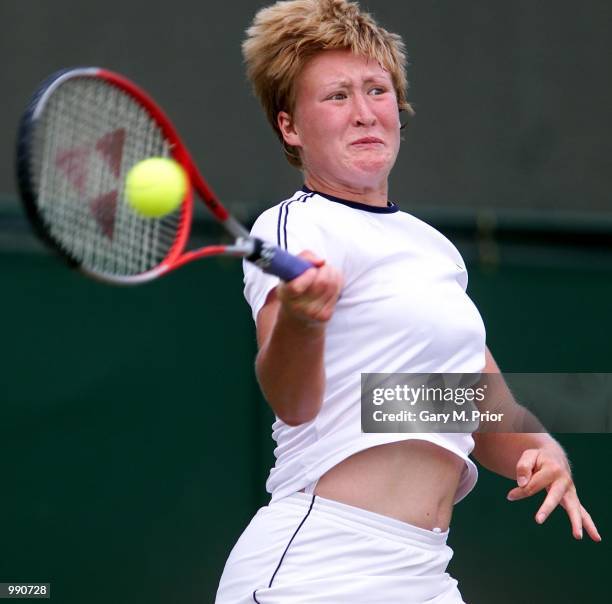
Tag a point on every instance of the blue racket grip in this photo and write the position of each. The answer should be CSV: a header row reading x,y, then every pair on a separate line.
x,y
276,261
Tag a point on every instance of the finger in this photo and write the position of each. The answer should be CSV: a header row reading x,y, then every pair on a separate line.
x,y
327,284
314,304
569,500
556,492
318,300
539,481
328,298
324,313
298,286
525,466
324,282
312,301
313,295
312,257
589,525
328,308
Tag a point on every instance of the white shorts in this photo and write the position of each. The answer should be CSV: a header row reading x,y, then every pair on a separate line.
x,y
312,550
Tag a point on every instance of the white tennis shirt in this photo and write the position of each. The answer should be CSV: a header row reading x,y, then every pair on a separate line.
x,y
403,309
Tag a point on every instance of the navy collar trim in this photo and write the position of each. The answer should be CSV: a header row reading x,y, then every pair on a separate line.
x,y
389,209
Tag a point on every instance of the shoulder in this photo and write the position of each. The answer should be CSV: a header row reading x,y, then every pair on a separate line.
x,y
297,213
418,224
433,236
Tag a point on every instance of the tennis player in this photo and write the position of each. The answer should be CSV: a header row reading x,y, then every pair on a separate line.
x,y
355,517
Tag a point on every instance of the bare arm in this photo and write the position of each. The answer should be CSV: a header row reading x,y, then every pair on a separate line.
x,y
291,337
537,462
500,451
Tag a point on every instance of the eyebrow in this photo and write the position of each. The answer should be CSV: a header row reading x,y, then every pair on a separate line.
x,y
344,83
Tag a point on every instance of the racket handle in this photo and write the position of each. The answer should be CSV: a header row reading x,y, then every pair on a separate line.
x,y
276,261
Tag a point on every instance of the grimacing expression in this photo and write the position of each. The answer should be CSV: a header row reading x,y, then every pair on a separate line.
x,y
346,120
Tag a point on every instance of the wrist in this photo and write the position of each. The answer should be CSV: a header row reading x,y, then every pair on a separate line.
x,y
299,323
552,447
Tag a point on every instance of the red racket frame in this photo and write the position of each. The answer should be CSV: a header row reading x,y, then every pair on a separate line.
x,y
267,257
176,257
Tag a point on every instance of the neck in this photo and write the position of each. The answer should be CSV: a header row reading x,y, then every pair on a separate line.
x,y
372,196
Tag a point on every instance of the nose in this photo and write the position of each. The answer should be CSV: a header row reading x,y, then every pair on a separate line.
x,y
362,112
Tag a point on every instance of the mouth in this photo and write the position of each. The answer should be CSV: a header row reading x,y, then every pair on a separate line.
x,y
368,140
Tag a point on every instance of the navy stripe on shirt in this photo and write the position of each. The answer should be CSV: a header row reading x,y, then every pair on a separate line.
x,y
283,213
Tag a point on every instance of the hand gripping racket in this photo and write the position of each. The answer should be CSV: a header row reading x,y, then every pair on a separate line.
x,y
81,133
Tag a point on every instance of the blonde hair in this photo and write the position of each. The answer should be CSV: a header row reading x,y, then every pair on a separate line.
x,y
285,35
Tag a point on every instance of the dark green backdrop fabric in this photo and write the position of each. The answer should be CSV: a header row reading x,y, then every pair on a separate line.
x,y
135,445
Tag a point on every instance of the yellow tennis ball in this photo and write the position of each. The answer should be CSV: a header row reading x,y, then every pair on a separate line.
x,y
156,186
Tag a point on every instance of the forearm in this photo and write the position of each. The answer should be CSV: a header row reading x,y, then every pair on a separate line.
x,y
500,450
499,446
290,369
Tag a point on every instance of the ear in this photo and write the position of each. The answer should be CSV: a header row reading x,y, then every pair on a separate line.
x,y
287,127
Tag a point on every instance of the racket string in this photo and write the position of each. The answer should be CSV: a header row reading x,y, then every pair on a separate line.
x,y
88,136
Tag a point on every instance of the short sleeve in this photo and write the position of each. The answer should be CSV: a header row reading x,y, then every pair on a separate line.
x,y
290,225
462,275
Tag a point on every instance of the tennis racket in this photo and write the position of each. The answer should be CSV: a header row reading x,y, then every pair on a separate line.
x,y
83,130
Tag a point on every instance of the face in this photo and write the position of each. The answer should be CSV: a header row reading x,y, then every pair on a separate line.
x,y
345,121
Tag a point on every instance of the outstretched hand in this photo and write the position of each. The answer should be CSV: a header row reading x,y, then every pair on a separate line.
x,y
548,468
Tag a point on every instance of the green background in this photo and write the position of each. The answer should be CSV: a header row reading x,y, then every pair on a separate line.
x,y
135,443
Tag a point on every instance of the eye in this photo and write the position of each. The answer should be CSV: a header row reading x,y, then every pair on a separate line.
x,y
337,96
378,90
